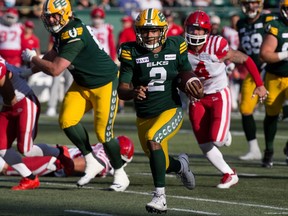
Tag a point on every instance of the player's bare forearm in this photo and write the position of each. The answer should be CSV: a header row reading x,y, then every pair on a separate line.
x,y
49,56
237,57
52,68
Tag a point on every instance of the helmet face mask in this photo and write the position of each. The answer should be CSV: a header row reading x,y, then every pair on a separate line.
x,y
10,17
56,14
151,29
252,8
283,6
198,22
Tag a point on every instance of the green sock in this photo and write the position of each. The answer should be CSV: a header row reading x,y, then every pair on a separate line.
x,y
174,166
79,136
112,149
249,127
270,129
158,167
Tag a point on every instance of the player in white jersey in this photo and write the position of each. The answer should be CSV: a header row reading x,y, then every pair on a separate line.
x,y
210,116
103,32
46,165
11,32
19,119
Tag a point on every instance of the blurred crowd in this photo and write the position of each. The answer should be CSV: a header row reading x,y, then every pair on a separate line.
x,y
32,8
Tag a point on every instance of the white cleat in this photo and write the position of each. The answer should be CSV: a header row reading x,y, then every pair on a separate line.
x,y
91,170
187,177
229,139
121,180
158,204
251,156
228,180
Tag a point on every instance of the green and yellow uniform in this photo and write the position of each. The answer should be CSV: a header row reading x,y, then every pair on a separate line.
x,y
95,86
159,115
276,82
276,79
251,37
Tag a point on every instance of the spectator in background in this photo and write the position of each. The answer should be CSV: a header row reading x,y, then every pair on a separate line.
x,y
201,3
215,25
82,4
2,7
130,7
231,33
271,4
170,3
9,3
11,32
145,4
30,40
30,8
127,34
105,4
37,8
103,32
173,28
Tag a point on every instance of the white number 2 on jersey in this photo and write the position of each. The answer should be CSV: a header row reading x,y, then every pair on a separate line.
x,y
156,84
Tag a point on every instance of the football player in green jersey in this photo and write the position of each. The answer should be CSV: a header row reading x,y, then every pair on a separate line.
x,y
150,66
251,32
94,86
274,51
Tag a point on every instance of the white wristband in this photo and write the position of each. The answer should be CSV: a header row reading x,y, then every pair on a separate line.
x,y
282,55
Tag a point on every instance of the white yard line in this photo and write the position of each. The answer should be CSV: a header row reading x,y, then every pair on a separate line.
x,y
190,198
87,213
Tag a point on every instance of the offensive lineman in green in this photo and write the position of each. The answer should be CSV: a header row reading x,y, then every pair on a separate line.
x,y
274,51
150,65
94,87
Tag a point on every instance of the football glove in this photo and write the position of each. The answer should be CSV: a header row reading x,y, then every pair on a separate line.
x,y
28,54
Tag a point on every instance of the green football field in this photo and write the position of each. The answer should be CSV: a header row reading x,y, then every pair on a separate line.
x,y
260,191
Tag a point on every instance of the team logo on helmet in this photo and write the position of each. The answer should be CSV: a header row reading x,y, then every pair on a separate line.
x,y
147,20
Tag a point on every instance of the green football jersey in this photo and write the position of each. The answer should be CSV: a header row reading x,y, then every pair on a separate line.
x,y
251,36
157,71
91,66
279,29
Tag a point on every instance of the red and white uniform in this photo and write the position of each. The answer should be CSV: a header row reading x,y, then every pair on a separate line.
x,y
99,152
47,164
126,35
105,36
174,30
231,36
20,120
210,116
10,43
31,42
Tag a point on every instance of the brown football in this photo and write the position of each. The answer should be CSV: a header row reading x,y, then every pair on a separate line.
x,y
182,78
